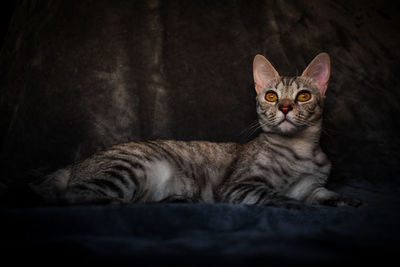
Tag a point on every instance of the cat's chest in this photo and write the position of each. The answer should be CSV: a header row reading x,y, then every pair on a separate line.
x,y
283,166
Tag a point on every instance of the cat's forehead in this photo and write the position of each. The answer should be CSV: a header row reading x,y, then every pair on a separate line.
x,y
285,83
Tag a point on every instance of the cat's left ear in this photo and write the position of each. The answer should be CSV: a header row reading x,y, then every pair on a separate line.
x,y
319,71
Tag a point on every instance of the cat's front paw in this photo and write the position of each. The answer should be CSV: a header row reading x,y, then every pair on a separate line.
x,y
342,200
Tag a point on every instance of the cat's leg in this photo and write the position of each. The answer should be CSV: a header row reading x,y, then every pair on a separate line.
x,y
86,193
311,191
323,196
255,191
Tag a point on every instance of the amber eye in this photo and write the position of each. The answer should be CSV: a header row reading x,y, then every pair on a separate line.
x,y
303,96
271,96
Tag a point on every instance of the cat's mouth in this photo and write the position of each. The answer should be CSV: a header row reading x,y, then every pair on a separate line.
x,y
286,126
285,119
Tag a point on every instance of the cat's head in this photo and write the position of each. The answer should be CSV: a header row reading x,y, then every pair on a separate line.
x,y
287,105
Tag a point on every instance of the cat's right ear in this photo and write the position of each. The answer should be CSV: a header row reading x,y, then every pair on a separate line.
x,y
319,71
263,72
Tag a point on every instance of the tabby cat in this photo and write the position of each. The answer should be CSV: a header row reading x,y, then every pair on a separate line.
x,y
284,164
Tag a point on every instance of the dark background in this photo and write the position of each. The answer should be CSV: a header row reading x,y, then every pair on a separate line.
x,y
79,76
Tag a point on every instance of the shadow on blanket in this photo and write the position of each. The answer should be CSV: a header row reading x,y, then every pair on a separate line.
x,y
204,234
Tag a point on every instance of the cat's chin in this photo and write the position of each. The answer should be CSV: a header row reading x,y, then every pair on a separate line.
x,y
286,128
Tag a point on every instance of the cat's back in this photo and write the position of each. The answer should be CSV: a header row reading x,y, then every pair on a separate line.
x,y
172,150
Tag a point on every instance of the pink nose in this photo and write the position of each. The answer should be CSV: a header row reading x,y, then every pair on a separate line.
x,y
285,109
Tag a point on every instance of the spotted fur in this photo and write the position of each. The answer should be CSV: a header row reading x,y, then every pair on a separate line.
x,y
284,164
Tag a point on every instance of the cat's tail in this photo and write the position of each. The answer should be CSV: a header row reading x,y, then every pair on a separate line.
x,y
51,187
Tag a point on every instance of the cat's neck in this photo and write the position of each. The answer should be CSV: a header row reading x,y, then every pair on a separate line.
x,y
304,143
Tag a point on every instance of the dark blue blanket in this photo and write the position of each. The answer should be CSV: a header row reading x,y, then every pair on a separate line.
x,y
204,234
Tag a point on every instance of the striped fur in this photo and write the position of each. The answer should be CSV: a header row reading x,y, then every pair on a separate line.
x,y
284,164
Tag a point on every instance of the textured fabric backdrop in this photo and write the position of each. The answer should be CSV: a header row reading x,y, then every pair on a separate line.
x,y
79,76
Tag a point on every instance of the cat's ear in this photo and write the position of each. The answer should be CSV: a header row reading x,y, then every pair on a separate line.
x,y
263,72
319,71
